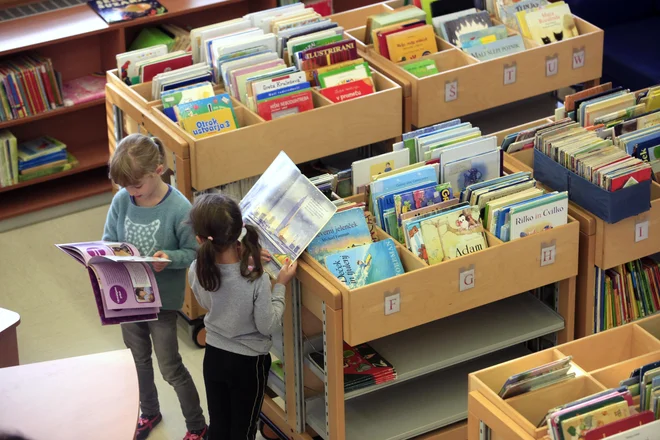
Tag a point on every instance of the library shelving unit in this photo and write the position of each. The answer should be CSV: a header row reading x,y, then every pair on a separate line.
x,y
465,85
79,42
432,330
604,245
600,362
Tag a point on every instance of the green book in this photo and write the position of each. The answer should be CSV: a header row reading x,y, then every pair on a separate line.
x,y
152,36
316,43
422,68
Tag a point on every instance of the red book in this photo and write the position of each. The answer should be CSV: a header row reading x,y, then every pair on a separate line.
x,y
285,105
639,175
350,90
151,70
332,53
622,425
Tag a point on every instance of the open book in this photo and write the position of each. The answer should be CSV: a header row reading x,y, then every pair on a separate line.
x,y
288,211
124,285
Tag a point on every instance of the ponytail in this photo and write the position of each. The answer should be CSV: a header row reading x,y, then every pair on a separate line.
x,y
250,247
207,272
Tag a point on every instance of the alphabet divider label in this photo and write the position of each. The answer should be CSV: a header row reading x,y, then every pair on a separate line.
x,y
392,302
510,73
451,90
641,230
578,57
548,253
466,278
552,65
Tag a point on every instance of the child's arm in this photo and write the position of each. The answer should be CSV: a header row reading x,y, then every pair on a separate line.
x,y
110,228
181,258
268,307
202,295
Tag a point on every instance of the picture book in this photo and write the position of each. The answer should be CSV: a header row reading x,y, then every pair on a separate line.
x,y
496,49
123,283
399,15
453,234
642,429
349,90
210,123
363,265
421,68
151,68
380,36
334,53
535,383
285,105
470,170
535,372
537,215
482,36
344,75
127,62
205,105
173,98
411,44
419,176
346,229
288,211
39,148
551,24
84,89
467,23
115,11
365,168
439,21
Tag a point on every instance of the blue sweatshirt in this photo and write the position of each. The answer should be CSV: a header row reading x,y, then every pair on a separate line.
x,y
158,228
242,314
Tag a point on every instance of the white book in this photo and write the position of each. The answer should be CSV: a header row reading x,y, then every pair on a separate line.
x,y
266,40
468,148
365,168
650,431
258,17
127,68
551,213
470,170
208,46
198,35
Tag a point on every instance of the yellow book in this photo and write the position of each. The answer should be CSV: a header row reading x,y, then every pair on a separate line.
x,y
453,234
550,24
375,32
412,44
522,19
397,171
577,427
208,124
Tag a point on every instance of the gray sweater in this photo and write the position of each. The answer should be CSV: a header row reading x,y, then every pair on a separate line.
x,y
242,314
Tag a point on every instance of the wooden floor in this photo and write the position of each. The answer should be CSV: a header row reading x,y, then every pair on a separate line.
x,y
58,315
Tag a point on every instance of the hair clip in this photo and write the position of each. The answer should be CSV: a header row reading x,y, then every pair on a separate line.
x,y
243,233
210,238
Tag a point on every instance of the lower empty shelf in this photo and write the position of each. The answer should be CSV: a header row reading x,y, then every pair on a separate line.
x,y
411,408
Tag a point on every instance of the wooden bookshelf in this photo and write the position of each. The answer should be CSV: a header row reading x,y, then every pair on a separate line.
x,y
602,244
597,368
79,42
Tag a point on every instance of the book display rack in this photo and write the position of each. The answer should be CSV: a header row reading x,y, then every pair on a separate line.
x,y
604,245
516,418
466,85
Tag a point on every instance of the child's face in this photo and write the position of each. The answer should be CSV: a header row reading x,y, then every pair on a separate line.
x,y
147,186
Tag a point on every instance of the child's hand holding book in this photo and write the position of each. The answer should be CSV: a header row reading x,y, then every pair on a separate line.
x,y
287,272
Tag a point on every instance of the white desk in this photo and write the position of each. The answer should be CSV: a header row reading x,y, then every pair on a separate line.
x,y
95,396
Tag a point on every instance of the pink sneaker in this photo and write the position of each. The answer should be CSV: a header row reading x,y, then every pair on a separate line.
x,y
202,434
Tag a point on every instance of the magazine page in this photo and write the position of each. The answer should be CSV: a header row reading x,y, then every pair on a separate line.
x,y
85,252
288,210
127,286
109,317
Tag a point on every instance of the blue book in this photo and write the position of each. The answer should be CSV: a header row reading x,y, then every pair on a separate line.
x,y
346,229
367,264
386,201
43,160
418,176
283,91
186,82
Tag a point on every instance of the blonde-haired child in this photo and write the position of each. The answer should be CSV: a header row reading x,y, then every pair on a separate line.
x,y
151,215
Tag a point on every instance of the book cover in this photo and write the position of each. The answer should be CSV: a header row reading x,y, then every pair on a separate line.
x,y
183,95
205,105
280,106
551,24
359,266
36,148
287,210
115,11
208,124
346,229
127,62
153,69
641,431
380,39
84,89
539,215
411,44
272,84
344,75
453,234
467,23
496,49
422,68
350,90
345,50
577,426
482,36
470,170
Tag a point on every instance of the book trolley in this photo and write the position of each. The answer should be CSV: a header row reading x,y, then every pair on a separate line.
x,y
597,369
466,85
602,244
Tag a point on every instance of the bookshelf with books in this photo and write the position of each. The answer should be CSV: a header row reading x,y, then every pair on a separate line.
x,y
603,245
595,370
464,85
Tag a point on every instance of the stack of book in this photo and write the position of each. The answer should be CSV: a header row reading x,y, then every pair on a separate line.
x,y
174,37
346,248
537,378
645,383
627,292
124,286
363,367
28,86
513,207
143,65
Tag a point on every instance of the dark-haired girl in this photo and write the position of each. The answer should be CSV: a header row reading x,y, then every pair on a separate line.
x,y
243,311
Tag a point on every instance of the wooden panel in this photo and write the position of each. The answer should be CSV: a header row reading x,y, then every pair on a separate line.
x,y
494,279
357,15
584,305
335,369
51,114
503,133
616,243
479,409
